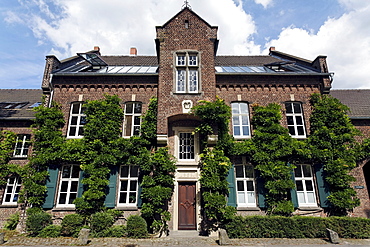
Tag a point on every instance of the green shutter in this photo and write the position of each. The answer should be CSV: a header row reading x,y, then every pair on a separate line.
x,y
139,200
80,185
110,199
293,192
261,190
231,199
322,185
51,183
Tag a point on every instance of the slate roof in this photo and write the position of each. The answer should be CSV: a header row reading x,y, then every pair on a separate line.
x,y
245,60
22,100
358,100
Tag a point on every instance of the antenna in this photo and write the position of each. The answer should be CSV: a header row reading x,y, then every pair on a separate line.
x,y
186,5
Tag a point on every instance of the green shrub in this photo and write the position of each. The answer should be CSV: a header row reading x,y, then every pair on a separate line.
x,y
12,222
51,231
297,227
114,232
34,211
71,225
36,222
136,227
100,222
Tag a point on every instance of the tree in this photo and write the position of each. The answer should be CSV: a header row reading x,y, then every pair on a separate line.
x,y
7,141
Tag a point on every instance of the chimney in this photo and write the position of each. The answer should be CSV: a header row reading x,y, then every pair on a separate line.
x,y
96,48
272,48
133,51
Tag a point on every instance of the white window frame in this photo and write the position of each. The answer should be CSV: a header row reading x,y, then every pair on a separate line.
x,y
189,131
22,145
80,120
130,179
303,196
294,126
187,72
130,124
12,189
240,120
245,194
69,181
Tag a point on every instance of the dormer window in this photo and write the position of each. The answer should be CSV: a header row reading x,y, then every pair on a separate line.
x,y
187,72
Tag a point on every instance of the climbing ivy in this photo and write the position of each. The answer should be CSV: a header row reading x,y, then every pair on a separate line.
x,y
47,151
272,151
148,129
214,164
101,133
332,143
7,141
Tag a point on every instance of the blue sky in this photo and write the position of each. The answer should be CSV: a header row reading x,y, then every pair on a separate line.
x,y
32,29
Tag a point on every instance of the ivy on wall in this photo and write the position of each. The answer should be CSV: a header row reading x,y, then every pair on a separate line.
x,y
7,141
214,164
48,149
332,143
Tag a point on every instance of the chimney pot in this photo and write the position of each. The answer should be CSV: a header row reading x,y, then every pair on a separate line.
x,y
96,48
133,51
272,48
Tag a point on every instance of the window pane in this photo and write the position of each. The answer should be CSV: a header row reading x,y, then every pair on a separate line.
x,y
235,108
288,107
72,131
241,197
290,120
136,131
307,171
244,108
239,171
134,171
62,198
124,171
249,171
137,120
75,108
297,107
74,120
181,80
251,197
72,197
236,130
129,107
245,131
181,60
133,185
66,171
298,171
250,186
137,108
64,187
300,130
128,125
301,198
124,185
82,120
9,189
74,186
240,185
193,80
122,197
132,197
236,120
309,186
75,172
291,130
299,120
299,185
245,120
311,197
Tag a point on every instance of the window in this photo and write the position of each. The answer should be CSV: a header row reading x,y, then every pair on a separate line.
x,y
186,146
245,185
128,185
12,190
187,77
68,187
305,185
21,146
132,119
294,115
240,120
77,120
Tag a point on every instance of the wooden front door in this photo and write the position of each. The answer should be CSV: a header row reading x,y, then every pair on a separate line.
x,y
187,204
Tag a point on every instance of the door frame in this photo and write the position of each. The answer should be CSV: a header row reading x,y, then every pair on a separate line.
x,y
193,174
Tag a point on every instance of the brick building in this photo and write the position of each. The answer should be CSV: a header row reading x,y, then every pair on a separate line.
x,y
187,69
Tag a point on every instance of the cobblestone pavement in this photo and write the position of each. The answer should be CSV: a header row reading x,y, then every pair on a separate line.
x,y
180,242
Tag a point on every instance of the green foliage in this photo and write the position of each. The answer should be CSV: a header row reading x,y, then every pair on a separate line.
x,y
72,224
136,227
119,231
148,129
47,151
7,141
50,231
272,151
332,143
157,188
101,133
36,222
297,227
12,222
215,120
99,222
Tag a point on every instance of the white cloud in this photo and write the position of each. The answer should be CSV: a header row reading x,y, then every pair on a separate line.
x,y
117,25
346,42
264,3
